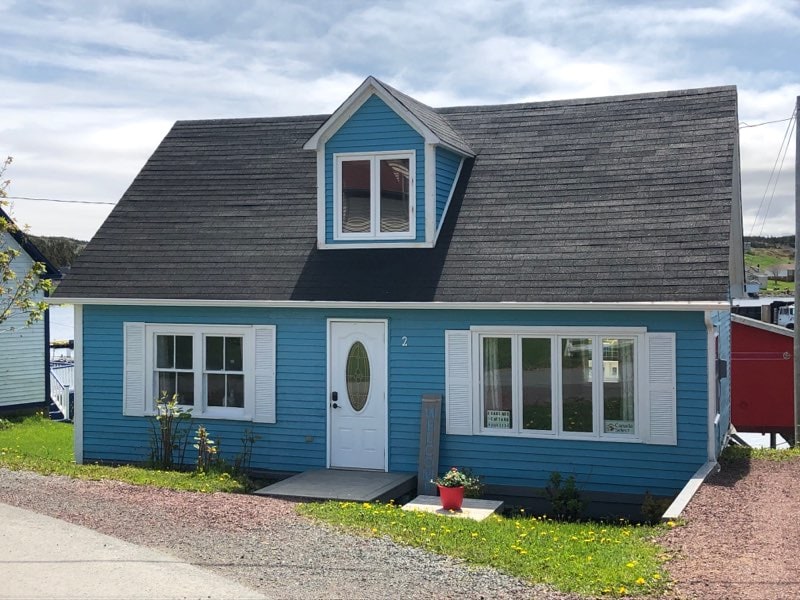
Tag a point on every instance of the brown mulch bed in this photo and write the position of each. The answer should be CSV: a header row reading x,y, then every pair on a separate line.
x,y
742,534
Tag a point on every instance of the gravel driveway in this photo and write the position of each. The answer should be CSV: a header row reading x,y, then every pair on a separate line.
x,y
742,537
260,542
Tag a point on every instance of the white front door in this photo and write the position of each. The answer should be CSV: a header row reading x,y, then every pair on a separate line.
x,y
357,394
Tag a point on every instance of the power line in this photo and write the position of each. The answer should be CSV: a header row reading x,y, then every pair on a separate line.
x,y
743,125
58,200
781,150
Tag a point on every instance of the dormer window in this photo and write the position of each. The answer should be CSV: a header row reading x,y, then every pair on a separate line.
x,y
375,195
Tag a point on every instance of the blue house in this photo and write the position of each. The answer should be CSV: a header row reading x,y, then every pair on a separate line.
x,y
559,272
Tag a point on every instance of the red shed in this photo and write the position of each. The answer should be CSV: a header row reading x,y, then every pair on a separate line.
x,y
762,377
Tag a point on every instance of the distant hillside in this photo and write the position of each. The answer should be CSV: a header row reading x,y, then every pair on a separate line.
x,y
760,241
60,251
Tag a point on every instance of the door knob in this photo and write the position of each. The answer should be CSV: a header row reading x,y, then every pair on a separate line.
x,y
334,405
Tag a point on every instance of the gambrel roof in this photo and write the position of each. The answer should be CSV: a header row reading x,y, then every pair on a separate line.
x,y
617,199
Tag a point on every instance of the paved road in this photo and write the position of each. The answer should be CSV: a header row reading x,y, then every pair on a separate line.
x,y
42,557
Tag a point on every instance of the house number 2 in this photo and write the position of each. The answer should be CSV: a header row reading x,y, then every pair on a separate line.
x,y
404,343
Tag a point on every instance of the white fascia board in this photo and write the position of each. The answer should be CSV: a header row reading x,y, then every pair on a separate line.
x,y
691,306
353,103
762,325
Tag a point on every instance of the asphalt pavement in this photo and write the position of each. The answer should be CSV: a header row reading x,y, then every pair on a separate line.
x,y
46,558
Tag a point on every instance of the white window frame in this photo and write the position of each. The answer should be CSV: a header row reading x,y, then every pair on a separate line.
x,y
374,233
200,407
478,333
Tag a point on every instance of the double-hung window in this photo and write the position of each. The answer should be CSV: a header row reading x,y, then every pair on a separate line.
x,y
209,368
563,384
375,196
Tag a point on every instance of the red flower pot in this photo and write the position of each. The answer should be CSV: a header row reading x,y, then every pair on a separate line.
x,y
451,497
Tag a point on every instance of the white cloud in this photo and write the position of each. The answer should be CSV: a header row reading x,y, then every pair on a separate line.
x,y
89,89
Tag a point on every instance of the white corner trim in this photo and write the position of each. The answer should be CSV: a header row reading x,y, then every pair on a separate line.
x,y
687,493
369,87
689,305
449,199
77,417
430,192
711,351
321,212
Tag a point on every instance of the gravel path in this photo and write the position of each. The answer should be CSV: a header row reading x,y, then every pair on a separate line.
x,y
742,537
260,542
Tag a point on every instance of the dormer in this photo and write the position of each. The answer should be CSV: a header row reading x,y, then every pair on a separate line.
x,y
387,167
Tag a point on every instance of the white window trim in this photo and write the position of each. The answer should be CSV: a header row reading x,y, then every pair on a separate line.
x,y
374,158
555,335
199,333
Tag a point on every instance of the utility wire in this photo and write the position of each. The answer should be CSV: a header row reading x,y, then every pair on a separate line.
x,y
775,186
743,125
58,200
784,142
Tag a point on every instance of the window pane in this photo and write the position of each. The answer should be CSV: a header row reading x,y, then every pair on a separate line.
x,y
497,383
618,386
233,354
576,376
215,384
537,394
214,353
183,352
357,376
185,388
165,351
355,196
394,195
166,384
235,395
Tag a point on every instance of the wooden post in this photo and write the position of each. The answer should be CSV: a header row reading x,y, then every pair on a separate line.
x,y
796,287
429,432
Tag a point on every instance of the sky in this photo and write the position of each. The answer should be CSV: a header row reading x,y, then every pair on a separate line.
x,y
90,87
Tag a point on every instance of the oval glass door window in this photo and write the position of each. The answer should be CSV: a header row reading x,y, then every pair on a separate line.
x,y
357,376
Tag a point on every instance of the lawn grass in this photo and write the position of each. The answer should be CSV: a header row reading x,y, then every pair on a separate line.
x,y
44,446
738,453
592,559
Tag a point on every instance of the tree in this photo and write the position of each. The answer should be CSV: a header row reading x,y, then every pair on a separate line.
x,y
18,292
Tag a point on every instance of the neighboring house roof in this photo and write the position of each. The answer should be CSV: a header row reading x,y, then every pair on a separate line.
x,y
51,271
625,198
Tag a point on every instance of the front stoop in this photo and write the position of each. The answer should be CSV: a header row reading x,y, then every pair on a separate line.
x,y
471,508
340,484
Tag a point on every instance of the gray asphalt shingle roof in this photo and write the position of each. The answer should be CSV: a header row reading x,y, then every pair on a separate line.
x,y
611,199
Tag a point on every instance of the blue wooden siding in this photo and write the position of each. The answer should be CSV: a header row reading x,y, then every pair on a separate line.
x,y
375,127
722,323
446,168
297,441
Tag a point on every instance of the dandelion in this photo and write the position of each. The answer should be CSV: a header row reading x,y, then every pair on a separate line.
x,y
622,590
474,534
631,564
656,576
640,581
671,523
374,530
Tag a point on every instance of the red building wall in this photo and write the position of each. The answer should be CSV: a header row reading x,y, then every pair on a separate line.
x,y
762,369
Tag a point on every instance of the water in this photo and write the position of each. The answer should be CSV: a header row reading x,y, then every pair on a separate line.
x,y
62,327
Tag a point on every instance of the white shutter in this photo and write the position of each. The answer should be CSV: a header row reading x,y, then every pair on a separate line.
x,y
662,394
265,374
458,384
134,398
